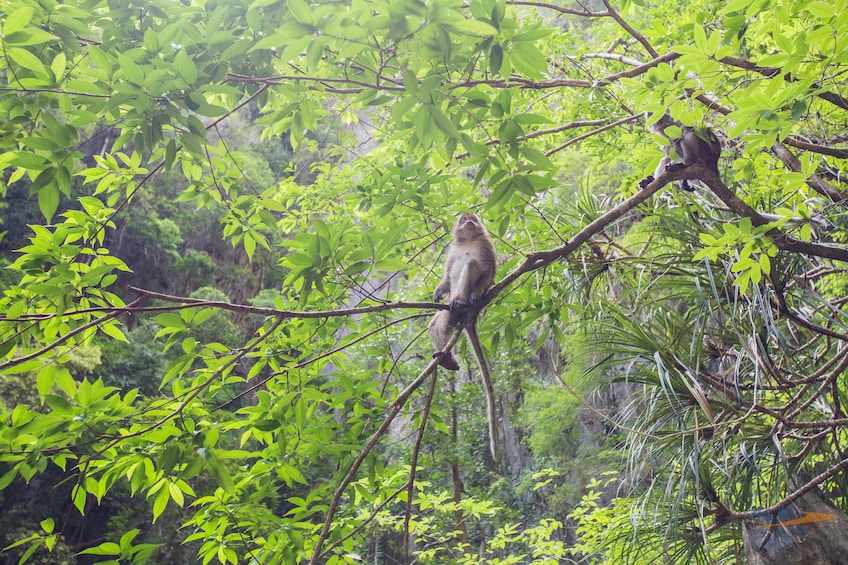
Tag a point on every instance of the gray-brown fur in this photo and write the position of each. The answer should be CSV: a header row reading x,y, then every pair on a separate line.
x,y
470,271
440,329
692,146
470,266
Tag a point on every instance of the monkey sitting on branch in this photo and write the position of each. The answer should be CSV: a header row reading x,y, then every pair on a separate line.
x,y
686,146
469,272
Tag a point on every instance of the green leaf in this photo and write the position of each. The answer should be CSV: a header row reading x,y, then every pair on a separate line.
x,y
25,59
185,67
59,404
99,57
495,58
528,60
300,11
17,20
151,41
160,503
29,551
78,495
105,548
824,10
131,70
113,331
44,380
48,201
65,381
7,478
466,26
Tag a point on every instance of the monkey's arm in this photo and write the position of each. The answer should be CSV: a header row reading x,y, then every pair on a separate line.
x,y
491,401
444,287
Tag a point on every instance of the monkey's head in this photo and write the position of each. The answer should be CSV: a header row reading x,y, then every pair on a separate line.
x,y
468,226
659,126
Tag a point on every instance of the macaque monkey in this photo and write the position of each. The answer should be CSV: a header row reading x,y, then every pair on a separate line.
x,y
469,272
690,146
471,265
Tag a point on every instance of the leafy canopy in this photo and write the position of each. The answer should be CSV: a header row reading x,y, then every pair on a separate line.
x,y
724,307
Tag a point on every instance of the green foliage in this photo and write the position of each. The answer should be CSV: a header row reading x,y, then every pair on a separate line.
x,y
276,181
137,362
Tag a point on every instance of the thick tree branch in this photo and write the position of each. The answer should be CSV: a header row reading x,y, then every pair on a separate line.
x,y
782,240
815,182
541,259
833,98
837,152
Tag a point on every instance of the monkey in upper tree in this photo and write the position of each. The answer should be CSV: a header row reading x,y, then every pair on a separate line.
x,y
470,270
692,145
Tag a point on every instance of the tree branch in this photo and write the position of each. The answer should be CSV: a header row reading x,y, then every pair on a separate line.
x,y
394,409
837,152
50,346
771,72
185,302
739,206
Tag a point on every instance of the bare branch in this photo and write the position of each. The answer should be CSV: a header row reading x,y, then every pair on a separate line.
x,y
633,33
560,9
613,57
833,98
542,132
186,302
579,138
394,410
837,152
637,70
815,182
59,341
782,240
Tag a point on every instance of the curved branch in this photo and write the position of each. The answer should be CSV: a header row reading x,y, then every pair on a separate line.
x,y
541,259
771,72
541,132
579,138
560,9
837,152
637,70
525,83
626,27
739,206
815,182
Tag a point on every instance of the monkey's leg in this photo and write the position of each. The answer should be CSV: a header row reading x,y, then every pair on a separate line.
x,y
448,360
462,287
440,329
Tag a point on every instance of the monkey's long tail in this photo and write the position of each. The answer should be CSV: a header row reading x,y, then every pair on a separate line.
x,y
491,401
